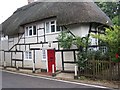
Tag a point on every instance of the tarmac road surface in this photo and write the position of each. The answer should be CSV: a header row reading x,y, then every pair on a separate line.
x,y
18,81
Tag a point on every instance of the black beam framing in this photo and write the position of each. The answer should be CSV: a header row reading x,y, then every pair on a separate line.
x,y
74,56
70,61
62,60
11,59
22,59
44,34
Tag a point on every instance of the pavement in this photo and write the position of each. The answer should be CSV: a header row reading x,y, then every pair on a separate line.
x,y
62,76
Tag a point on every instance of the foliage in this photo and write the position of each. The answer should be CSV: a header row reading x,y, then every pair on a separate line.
x,y
65,40
97,54
82,59
115,20
112,38
81,42
111,9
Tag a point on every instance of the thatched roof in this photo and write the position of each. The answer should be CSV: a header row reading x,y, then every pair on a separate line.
x,y
0,27
65,12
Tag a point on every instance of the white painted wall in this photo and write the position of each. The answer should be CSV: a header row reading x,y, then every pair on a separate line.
x,y
4,46
77,29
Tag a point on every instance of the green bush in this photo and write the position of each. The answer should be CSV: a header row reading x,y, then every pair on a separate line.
x,y
65,40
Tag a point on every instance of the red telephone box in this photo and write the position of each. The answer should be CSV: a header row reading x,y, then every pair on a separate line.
x,y
51,60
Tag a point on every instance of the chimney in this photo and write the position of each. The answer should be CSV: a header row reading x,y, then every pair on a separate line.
x,y
31,1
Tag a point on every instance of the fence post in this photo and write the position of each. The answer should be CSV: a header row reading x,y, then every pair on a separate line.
x,y
110,69
17,67
119,75
53,70
93,62
76,76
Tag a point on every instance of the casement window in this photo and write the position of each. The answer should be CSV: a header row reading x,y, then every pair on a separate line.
x,y
30,31
44,55
50,27
28,55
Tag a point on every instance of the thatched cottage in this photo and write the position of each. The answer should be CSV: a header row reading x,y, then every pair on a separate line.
x,y
32,31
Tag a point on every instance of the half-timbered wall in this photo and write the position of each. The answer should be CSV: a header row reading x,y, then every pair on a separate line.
x,y
44,41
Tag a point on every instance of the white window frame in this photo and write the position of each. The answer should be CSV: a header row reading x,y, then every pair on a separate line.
x,y
27,30
44,55
28,55
50,31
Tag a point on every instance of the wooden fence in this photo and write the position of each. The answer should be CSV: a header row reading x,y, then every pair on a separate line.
x,y
101,69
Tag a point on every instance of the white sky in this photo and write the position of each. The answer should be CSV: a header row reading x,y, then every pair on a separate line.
x,y
7,7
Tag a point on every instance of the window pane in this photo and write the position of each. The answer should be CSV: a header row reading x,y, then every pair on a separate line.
x,y
30,32
30,55
34,30
43,54
26,55
52,28
47,27
58,28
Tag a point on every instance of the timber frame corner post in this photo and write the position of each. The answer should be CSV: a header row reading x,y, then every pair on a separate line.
x,y
4,65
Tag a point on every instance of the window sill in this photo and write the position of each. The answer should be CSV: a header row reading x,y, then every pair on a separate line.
x,y
52,33
31,36
43,60
28,59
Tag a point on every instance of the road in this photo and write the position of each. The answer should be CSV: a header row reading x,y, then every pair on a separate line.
x,y
14,80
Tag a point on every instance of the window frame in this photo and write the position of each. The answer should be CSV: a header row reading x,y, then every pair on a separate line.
x,y
45,54
30,28
28,55
49,26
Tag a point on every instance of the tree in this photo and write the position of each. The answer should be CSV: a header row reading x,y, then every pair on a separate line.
x,y
112,9
65,40
112,40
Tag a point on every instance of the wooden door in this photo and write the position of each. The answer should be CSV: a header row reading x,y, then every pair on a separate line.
x,y
51,60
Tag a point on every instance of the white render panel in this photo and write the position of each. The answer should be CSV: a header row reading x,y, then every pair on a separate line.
x,y
51,37
21,40
68,56
79,29
41,39
4,45
58,60
8,58
69,67
40,28
31,39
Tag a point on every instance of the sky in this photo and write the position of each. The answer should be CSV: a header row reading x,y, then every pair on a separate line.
x,y
7,7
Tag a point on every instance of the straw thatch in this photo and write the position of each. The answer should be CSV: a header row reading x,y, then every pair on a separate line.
x,y
65,12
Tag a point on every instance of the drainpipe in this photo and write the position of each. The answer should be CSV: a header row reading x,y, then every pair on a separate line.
x,y
33,61
1,48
